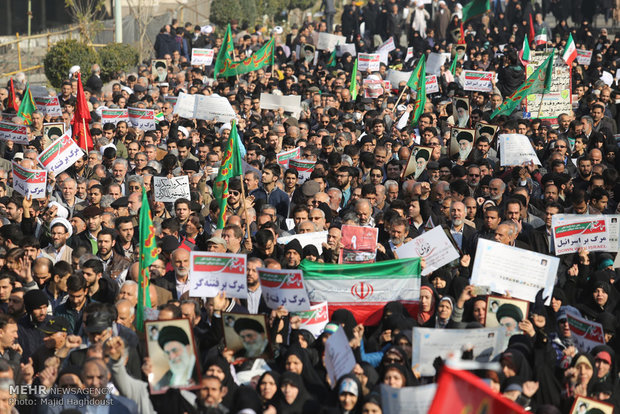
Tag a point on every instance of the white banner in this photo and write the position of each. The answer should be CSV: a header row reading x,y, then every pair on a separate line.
x,y
209,108
594,233
478,81
430,343
211,273
432,86
142,118
508,269
114,116
346,48
327,41
315,319
290,103
284,287
13,132
410,400
339,358
60,155
584,57
516,149
434,246
202,56
387,46
48,105
29,182
368,61
586,334
169,190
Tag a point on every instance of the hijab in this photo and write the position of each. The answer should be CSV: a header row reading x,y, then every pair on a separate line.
x,y
424,317
311,379
297,406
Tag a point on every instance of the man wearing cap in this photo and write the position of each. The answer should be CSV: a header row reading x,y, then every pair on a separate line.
x,y
52,342
293,253
88,238
176,345
253,337
217,244
30,336
57,250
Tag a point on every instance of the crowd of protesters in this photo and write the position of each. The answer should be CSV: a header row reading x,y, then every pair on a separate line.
x,y
68,282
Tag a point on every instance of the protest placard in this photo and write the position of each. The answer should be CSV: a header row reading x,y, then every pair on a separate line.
x,y
29,182
484,128
478,81
114,116
327,41
339,358
434,246
387,46
346,48
410,400
212,272
417,161
586,334
247,335
54,130
368,61
315,319
290,103
430,343
359,244
572,232
48,105
432,86
396,77
315,238
283,157
202,56
303,167
284,287
520,272
13,132
209,108
584,405
506,312
162,339
461,142
38,90
435,61
142,118
169,190
373,88
584,57
557,100
60,155
409,54
516,149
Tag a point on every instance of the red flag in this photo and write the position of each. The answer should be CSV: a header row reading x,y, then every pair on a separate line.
x,y
462,37
11,98
532,33
463,392
81,119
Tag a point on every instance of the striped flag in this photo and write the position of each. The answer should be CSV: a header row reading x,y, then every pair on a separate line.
x,y
541,36
364,289
525,52
570,52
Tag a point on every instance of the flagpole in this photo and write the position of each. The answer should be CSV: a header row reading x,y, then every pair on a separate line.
x,y
85,139
399,97
247,222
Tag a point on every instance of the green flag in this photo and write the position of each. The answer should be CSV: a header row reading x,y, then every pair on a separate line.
x,y
262,57
353,84
225,55
475,8
148,254
538,82
417,82
231,167
331,62
27,107
453,66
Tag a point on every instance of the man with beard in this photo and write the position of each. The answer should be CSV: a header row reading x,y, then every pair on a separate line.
x,y
496,189
175,343
253,337
178,278
100,288
399,229
57,250
88,238
255,302
464,235
114,265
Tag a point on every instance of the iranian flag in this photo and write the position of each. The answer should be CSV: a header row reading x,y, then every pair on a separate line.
x,y
364,289
541,36
570,52
524,54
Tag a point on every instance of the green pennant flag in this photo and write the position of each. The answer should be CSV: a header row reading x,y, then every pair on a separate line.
x,y
353,84
331,62
148,254
226,52
262,57
231,167
417,82
538,82
27,107
475,8
453,66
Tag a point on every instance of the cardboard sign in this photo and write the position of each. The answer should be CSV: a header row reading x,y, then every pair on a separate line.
x,y
315,319
169,190
211,273
586,334
202,56
327,41
60,155
339,358
434,246
432,86
142,118
516,149
209,108
114,116
283,157
28,182
284,287
373,88
304,168
594,233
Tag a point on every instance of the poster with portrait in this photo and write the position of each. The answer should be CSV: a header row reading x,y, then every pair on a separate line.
x,y
460,111
53,130
583,405
506,312
159,69
172,350
488,129
246,335
418,159
461,143
359,244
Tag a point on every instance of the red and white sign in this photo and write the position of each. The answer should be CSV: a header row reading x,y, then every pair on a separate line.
x,y
49,105
13,132
62,154
432,86
584,57
211,273
114,116
142,118
368,61
478,81
202,56
29,182
359,246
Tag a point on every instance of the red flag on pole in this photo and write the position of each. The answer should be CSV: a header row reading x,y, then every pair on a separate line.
x,y
11,98
532,33
463,392
81,119
462,37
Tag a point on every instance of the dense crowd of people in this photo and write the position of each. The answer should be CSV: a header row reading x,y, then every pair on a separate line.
x,y
69,276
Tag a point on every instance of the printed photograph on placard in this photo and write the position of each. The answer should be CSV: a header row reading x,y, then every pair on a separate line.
x,y
53,130
460,111
507,313
159,69
172,350
583,405
418,159
246,335
461,143
488,130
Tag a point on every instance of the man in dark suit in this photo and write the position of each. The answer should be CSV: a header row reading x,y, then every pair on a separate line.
x,y
94,82
465,236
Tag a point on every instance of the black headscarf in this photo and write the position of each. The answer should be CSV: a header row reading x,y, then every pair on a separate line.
x,y
228,382
312,381
303,397
276,378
